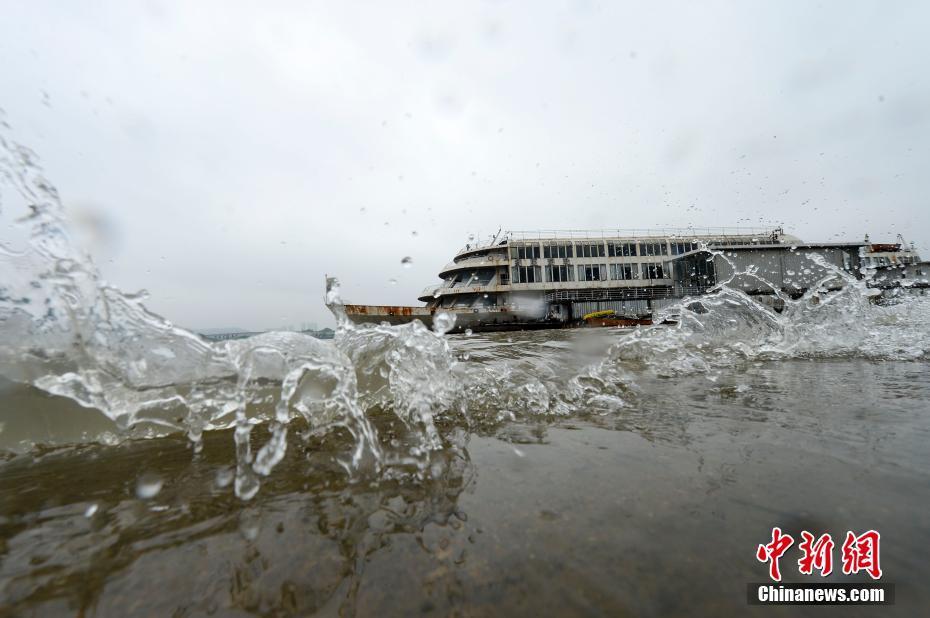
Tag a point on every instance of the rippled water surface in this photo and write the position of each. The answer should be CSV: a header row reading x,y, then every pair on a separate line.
x,y
651,503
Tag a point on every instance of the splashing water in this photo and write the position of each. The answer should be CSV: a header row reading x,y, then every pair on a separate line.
x,y
67,332
64,330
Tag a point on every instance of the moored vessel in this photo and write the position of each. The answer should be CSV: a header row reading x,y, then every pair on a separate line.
x,y
627,278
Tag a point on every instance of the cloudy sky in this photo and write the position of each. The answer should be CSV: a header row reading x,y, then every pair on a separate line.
x,y
232,155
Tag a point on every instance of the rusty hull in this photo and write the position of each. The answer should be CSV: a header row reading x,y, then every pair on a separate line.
x,y
388,310
392,314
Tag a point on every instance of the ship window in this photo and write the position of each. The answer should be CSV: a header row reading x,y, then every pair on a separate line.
x,y
559,273
482,277
621,249
653,248
527,274
655,271
622,272
702,269
557,251
528,252
592,272
590,250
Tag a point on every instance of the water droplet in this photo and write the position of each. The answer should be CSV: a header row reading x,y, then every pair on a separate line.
x,y
90,511
148,486
407,262
443,322
413,233
392,281
224,476
249,525
468,332
362,210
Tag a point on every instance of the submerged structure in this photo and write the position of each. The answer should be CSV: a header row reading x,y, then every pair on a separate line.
x,y
551,279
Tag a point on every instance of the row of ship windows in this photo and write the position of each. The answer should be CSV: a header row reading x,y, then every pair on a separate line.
x,y
590,272
600,249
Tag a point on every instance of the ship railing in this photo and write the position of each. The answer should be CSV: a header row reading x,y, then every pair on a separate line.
x,y
627,293
430,290
685,233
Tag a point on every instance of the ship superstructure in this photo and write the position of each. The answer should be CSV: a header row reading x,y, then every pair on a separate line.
x,y
546,279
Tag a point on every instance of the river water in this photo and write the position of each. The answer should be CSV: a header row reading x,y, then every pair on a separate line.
x,y
397,470
649,500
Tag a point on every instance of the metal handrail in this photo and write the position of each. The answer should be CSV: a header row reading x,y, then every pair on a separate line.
x,y
622,233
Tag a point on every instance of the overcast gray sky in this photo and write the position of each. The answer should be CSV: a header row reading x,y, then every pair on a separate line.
x,y
237,153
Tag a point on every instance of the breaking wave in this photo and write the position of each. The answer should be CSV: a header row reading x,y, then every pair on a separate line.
x,y
65,331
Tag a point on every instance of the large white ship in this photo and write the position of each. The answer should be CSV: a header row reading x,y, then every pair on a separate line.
x,y
551,279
